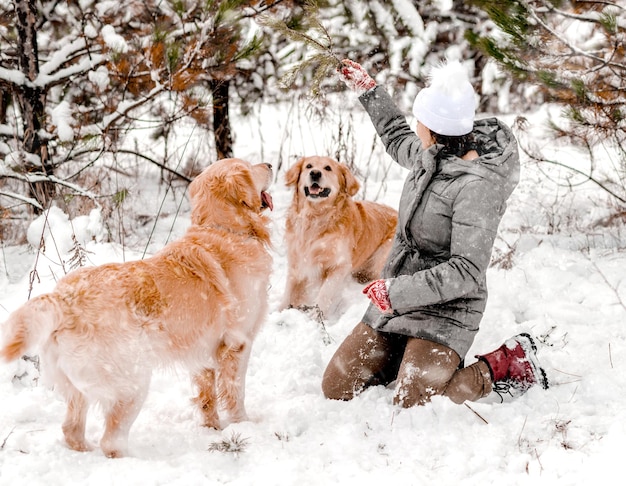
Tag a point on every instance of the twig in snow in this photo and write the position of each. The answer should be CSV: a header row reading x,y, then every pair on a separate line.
x,y
477,414
4,442
519,439
78,254
316,314
614,288
538,459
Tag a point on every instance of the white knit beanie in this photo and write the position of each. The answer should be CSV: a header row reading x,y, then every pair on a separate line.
x,y
448,105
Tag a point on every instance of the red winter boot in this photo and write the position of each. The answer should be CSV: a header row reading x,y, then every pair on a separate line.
x,y
514,366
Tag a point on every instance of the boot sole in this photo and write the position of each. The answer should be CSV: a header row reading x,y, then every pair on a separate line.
x,y
530,349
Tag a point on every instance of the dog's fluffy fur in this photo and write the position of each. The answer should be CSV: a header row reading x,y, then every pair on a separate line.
x,y
330,236
198,302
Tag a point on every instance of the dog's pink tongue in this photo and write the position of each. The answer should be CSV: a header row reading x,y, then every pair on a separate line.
x,y
267,200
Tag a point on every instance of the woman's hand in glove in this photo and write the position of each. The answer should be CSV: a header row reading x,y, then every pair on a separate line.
x,y
355,77
377,293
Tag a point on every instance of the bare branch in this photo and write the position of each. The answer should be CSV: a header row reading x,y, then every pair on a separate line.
x,y
155,162
126,108
588,176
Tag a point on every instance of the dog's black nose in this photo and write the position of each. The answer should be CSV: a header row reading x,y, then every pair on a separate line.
x,y
315,175
268,164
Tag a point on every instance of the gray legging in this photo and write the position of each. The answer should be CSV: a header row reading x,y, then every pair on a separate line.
x,y
420,367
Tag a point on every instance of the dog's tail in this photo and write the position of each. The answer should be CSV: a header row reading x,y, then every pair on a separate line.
x,y
29,326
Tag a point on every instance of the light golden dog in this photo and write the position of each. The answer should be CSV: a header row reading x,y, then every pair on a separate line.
x,y
330,237
198,302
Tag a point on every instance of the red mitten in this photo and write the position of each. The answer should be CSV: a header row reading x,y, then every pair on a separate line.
x,y
355,77
377,293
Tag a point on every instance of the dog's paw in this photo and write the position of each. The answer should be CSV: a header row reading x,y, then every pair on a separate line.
x,y
113,453
212,422
113,448
79,446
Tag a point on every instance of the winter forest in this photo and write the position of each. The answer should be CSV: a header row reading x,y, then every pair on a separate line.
x,y
109,109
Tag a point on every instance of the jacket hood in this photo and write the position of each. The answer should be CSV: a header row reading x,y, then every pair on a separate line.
x,y
498,159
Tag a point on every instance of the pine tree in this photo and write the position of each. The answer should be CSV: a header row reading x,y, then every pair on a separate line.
x,y
574,53
398,42
106,68
188,50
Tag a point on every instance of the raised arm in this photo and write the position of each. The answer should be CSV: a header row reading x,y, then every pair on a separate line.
x,y
400,141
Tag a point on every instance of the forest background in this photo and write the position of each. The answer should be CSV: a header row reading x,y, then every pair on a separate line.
x,y
78,78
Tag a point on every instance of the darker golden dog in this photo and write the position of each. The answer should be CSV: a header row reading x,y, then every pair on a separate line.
x,y
330,236
198,302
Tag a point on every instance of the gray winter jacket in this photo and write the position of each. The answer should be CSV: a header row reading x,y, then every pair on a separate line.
x,y
449,214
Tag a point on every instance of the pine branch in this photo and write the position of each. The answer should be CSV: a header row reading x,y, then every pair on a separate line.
x,y
556,35
234,445
317,38
322,63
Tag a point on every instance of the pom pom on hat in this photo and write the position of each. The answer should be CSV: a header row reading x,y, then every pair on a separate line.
x,y
448,105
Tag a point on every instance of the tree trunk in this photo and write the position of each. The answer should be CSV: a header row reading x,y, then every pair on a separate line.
x,y
221,119
5,99
32,101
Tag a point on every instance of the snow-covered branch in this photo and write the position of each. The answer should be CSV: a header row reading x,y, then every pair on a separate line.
x,y
12,77
15,77
19,197
61,56
37,177
84,66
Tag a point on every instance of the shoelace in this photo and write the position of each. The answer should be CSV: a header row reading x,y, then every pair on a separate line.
x,y
502,388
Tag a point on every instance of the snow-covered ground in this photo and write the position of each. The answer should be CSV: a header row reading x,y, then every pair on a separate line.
x,y
559,277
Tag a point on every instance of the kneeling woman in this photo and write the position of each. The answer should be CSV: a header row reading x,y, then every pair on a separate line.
x,y
427,306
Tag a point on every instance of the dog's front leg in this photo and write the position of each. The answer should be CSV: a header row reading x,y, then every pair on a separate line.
x,y
207,397
331,289
232,358
295,292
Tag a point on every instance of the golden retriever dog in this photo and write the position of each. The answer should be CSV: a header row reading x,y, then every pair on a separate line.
x,y
331,237
198,302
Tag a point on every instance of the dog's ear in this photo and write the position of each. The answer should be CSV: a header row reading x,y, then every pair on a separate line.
x,y
197,186
198,193
240,187
293,174
351,184
232,185
201,196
